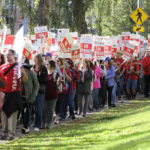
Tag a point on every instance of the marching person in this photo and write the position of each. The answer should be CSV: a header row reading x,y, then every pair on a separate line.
x,y
29,92
51,95
96,85
110,79
12,100
84,86
133,75
102,90
41,73
119,60
146,73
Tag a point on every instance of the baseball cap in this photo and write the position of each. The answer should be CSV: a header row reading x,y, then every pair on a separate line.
x,y
107,59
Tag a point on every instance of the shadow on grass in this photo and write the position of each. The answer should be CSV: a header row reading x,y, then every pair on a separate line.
x,y
80,127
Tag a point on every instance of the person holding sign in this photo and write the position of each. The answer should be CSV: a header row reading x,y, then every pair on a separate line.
x,y
133,75
119,60
146,68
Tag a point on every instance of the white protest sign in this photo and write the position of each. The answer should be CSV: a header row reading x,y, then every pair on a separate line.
x,y
128,50
86,45
41,32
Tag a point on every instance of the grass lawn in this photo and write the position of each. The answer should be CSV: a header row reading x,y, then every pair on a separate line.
x,y
123,128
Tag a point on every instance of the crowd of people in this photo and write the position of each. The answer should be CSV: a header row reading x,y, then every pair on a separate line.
x,y
58,86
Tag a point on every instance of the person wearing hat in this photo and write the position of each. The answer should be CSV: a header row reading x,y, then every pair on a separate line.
x,y
119,60
28,93
48,57
146,72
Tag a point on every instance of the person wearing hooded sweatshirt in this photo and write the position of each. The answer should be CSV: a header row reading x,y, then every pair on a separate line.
x,y
96,86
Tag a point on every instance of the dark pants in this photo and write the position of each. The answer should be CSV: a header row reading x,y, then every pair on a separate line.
x,y
59,101
48,111
102,94
83,103
64,106
26,115
146,85
68,101
95,96
109,89
38,110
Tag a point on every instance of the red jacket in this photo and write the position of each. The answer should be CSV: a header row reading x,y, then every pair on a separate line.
x,y
146,65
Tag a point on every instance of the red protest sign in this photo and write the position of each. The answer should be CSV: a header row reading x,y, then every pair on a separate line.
x,y
27,53
86,46
8,44
128,50
28,50
75,53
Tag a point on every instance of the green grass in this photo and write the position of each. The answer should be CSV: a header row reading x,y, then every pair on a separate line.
x,y
123,128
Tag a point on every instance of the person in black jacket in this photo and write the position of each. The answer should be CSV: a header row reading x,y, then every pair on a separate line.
x,y
42,73
84,86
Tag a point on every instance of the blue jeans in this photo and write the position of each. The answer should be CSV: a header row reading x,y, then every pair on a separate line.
x,y
121,89
95,95
114,91
68,101
39,102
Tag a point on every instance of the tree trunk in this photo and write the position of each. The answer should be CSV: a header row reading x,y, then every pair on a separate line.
x,y
43,12
78,10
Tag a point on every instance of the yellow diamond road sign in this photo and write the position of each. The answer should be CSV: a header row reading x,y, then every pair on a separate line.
x,y
138,29
139,16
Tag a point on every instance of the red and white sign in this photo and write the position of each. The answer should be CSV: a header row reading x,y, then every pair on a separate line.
x,y
98,46
28,50
51,37
108,49
61,34
125,37
114,50
129,50
65,45
54,51
41,32
8,44
75,53
86,46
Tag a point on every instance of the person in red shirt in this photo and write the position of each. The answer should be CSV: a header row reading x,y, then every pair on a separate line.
x,y
119,61
133,75
12,100
146,72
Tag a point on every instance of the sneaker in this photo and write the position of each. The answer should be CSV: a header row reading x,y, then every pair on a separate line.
x,y
56,122
36,129
73,117
113,105
48,127
25,131
3,137
11,138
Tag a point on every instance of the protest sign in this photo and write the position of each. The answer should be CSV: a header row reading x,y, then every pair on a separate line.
x,y
128,50
28,49
41,32
75,52
86,46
